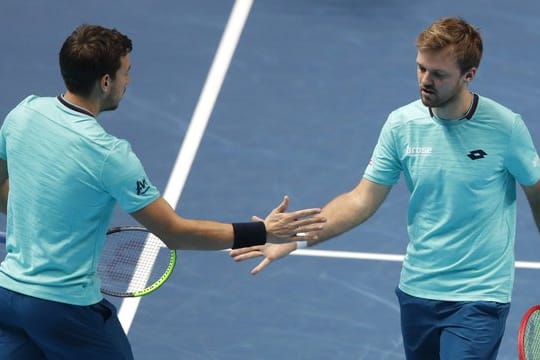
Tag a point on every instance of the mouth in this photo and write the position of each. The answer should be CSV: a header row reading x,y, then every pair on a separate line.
x,y
427,92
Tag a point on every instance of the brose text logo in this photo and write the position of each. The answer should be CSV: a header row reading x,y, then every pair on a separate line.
x,y
418,150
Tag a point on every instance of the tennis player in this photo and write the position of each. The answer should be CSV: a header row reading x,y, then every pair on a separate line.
x,y
61,175
461,155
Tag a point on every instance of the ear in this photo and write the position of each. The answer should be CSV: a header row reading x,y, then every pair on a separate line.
x,y
105,83
469,75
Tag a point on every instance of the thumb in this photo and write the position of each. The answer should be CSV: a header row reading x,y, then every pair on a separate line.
x,y
283,205
256,218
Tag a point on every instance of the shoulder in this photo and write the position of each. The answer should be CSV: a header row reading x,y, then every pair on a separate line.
x,y
37,102
26,109
120,154
26,103
490,106
411,113
495,115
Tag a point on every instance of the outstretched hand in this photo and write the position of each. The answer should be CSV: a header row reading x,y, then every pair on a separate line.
x,y
283,230
271,252
284,227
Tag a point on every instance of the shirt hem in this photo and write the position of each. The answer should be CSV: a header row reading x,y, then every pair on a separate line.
x,y
431,295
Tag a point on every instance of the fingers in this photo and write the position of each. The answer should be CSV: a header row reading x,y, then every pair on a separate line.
x,y
314,222
239,255
240,252
306,220
283,205
305,213
257,269
309,225
246,256
271,252
307,228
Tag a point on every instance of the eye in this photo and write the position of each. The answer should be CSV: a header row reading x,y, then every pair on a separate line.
x,y
438,75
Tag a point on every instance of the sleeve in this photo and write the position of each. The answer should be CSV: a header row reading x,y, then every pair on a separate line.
x,y
125,179
522,159
384,166
6,125
3,130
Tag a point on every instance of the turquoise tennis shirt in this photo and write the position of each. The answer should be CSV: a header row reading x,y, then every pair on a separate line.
x,y
66,175
462,211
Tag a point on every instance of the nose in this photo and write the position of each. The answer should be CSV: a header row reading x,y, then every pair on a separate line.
x,y
424,78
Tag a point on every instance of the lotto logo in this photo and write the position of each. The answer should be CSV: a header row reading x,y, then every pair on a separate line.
x,y
477,154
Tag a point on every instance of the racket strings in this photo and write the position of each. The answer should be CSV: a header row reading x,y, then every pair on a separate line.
x,y
132,261
532,333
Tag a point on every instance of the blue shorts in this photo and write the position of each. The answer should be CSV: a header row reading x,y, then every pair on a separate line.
x,y
449,330
32,328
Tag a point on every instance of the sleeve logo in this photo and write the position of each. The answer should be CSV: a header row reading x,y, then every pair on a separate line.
x,y
142,186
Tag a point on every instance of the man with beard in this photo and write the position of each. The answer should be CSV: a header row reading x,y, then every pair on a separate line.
x,y
461,155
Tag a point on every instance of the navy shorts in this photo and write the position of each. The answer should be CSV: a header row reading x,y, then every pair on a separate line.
x,y
449,330
32,328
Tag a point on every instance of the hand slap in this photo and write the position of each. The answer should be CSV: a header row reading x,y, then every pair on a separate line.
x,y
283,227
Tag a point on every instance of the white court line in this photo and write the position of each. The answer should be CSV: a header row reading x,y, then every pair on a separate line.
x,y
197,126
383,257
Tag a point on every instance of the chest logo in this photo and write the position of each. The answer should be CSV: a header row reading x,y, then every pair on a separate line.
x,y
477,154
418,150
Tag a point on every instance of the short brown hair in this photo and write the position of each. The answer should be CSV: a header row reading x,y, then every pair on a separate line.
x,y
90,52
456,32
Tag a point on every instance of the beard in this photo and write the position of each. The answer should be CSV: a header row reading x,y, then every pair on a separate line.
x,y
112,101
110,107
434,100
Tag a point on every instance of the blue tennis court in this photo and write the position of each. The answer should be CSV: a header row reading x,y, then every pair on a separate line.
x,y
307,89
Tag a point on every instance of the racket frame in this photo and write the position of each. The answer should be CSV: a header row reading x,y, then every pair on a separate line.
x,y
522,329
156,284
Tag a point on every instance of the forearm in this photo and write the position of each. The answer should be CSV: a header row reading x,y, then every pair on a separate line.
x,y
535,210
351,209
4,185
198,235
181,233
342,214
533,197
4,189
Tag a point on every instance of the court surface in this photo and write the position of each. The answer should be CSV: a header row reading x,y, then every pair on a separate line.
x,y
308,87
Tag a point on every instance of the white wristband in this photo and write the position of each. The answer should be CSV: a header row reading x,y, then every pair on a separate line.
x,y
301,244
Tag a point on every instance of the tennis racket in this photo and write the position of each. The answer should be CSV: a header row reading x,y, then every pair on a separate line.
x,y
529,335
134,262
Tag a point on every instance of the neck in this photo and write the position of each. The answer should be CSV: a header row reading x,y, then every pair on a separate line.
x,y
456,108
87,104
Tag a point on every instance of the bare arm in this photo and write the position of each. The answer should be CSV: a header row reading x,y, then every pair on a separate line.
x,y
343,213
533,197
181,233
351,209
4,186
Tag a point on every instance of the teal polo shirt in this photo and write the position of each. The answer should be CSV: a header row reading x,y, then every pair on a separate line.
x,y
66,175
462,212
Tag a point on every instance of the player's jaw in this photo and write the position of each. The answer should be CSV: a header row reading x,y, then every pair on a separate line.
x,y
435,98
113,98
428,95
